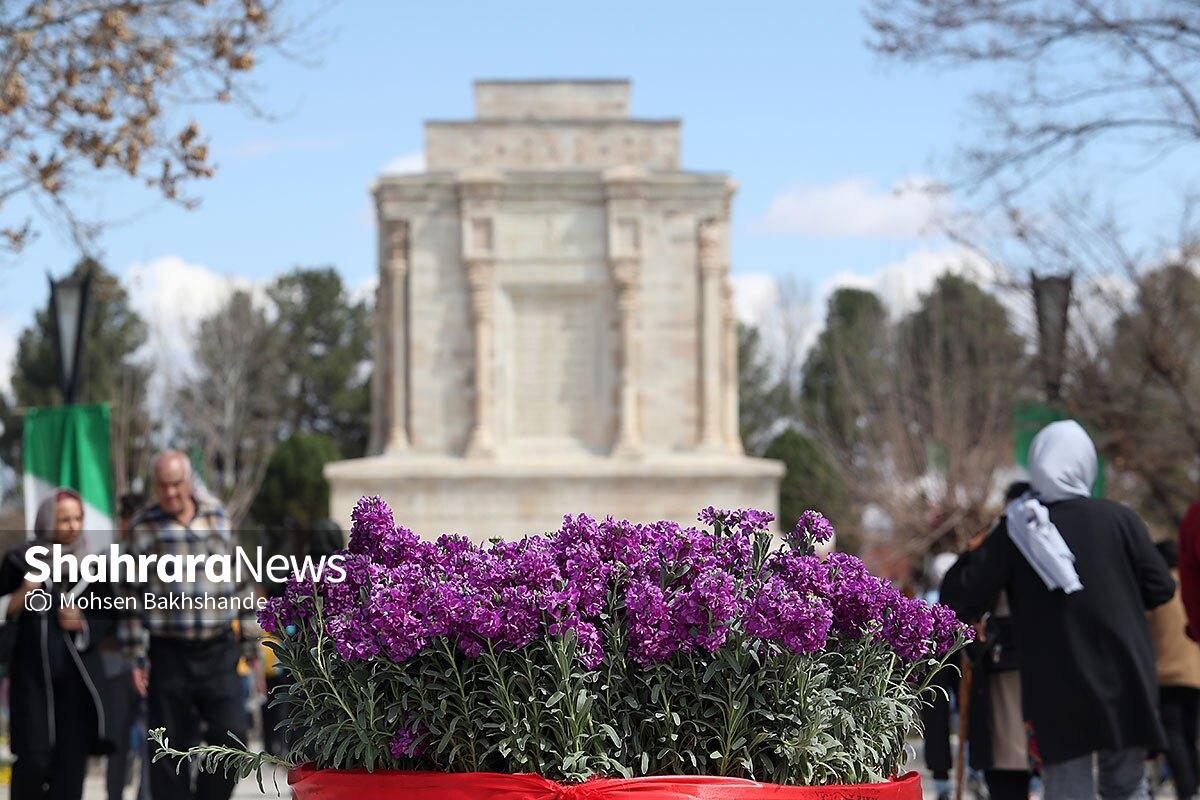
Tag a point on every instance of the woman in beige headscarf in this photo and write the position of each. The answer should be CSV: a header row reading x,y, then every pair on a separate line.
x,y
57,690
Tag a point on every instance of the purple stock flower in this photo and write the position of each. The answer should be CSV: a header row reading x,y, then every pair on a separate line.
x,y
812,527
406,743
674,590
908,628
947,629
797,620
858,598
746,520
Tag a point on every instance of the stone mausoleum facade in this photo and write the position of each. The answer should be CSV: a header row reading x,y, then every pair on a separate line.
x,y
554,328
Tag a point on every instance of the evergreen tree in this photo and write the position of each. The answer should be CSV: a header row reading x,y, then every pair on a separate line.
x,y
811,481
294,493
110,372
326,358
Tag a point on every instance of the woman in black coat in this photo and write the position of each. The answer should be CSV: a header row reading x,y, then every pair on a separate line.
x,y
1080,574
57,688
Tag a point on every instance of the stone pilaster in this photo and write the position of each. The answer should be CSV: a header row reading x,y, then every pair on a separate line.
x,y
629,434
396,269
712,335
480,273
379,378
625,210
729,373
478,200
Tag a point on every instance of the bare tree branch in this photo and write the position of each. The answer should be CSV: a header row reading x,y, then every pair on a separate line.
x,y
94,88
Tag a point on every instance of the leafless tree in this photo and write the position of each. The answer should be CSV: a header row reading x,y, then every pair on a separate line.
x,y
917,413
1081,72
1076,77
97,87
231,403
1134,357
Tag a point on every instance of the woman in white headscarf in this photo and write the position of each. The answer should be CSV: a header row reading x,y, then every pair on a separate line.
x,y
1080,574
57,692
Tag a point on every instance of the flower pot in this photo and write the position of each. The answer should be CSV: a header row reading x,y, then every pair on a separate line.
x,y
308,783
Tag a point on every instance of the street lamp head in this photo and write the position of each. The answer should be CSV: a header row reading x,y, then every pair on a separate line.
x,y
68,306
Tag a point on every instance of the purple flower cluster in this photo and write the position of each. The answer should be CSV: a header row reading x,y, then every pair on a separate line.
x,y
670,589
804,600
744,520
406,743
812,528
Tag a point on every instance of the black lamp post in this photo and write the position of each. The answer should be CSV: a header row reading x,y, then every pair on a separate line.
x,y
68,306
1052,305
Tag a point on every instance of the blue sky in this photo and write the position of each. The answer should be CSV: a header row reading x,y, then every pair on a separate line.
x,y
784,96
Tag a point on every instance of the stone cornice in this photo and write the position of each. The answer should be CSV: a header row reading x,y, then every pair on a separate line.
x,y
538,122
442,190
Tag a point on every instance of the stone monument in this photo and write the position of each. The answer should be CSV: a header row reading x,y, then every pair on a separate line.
x,y
554,329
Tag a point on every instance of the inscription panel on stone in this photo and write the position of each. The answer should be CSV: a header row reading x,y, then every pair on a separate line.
x,y
557,387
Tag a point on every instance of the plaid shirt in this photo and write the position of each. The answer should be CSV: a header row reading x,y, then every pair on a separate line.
x,y
189,610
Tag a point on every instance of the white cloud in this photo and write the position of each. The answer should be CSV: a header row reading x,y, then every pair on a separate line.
x,y
855,207
364,291
900,284
754,294
8,351
173,295
406,164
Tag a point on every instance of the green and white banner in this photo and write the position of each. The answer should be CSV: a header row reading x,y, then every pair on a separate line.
x,y
68,446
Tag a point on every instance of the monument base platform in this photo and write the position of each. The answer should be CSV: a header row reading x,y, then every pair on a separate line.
x,y
484,498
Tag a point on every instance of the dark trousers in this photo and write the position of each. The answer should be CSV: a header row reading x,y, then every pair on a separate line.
x,y
194,684
1180,708
275,739
125,708
935,720
58,772
1007,784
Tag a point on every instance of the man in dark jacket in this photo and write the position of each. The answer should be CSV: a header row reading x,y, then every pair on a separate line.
x,y
1080,574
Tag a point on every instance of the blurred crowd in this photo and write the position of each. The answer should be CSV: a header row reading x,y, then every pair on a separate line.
x,y
1084,679
91,678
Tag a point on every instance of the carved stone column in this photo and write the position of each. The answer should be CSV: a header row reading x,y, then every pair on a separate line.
x,y
479,275
625,208
629,435
396,283
712,339
729,375
479,192
379,378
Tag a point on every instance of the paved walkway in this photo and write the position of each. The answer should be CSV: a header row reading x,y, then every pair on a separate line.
x,y
246,790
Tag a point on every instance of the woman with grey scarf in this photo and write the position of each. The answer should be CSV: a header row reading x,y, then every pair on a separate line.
x,y
1079,573
57,691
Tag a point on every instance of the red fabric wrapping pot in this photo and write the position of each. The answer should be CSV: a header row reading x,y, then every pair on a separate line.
x,y
328,784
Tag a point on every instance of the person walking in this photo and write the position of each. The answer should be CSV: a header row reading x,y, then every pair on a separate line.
x,y
321,540
936,716
1080,574
58,693
1189,569
128,714
1178,660
185,659
997,741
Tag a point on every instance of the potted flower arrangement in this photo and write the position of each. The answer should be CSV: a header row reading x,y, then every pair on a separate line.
x,y
604,658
